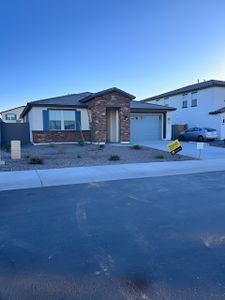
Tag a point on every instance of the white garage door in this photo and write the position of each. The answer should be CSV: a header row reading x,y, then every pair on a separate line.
x,y
145,127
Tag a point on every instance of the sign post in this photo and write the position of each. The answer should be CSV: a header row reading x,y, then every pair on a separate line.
x,y
174,147
200,147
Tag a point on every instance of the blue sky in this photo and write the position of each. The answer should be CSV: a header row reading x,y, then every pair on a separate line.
x,y
56,47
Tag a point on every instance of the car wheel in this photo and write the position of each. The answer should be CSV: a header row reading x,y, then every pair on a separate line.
x,y
181,138
200,138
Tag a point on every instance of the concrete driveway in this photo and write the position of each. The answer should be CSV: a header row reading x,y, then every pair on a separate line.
x,y
138,239
190,149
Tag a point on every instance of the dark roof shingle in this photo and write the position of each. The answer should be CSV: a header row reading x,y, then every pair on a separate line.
x,y
138,105
79,100
189,88
104,92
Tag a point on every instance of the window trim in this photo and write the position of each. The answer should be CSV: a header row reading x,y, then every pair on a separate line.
x,y
194,105
10,119
185,106
194,98
62,120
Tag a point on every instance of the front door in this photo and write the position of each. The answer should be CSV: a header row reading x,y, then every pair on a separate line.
x,y
112,125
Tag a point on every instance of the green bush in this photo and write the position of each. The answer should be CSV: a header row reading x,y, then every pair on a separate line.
x,y
160,156
136,147
34,160
101,147
114,157
52,145
81,143
7,147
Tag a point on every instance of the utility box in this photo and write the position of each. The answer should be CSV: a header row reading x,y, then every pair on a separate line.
x,y
15,149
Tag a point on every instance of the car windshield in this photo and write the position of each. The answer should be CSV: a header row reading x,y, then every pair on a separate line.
x,y
210,129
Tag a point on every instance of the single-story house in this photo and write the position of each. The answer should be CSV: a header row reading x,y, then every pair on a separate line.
x,y
198,105
111,115
12,115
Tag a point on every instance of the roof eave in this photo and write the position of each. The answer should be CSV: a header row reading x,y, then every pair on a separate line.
x,y
2,112
30,105
108,91
177,92
151,110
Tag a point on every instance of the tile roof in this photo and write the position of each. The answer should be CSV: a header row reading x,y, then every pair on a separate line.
x,y
4,111
111,90
79,100
70,99
189,88
145,106
66,100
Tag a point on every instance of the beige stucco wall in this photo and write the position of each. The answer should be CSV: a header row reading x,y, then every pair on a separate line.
x,y
169,125
35,118
17,111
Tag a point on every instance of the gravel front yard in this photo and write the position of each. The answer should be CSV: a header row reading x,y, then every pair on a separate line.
x,y
61,156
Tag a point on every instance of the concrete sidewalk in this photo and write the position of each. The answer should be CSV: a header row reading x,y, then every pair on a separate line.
x,y
77,175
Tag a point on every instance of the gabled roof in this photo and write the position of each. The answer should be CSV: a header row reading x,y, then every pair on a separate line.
x,y
4,111
189,88
79,101
105,92
218,111
70,100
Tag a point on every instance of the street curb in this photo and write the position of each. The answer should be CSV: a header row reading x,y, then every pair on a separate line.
x,y
67,176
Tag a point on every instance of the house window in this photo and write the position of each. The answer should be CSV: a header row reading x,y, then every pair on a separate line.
x,y
185,101
10,117
194,101
62,120
185,104
55,120
69,120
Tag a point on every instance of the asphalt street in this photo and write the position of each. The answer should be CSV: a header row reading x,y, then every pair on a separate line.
x,y
152,238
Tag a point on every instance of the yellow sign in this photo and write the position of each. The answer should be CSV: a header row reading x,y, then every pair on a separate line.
x,y
174,147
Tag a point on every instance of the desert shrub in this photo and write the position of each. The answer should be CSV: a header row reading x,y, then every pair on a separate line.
x,y
101,147
52,145
35,160
136,147
114,157
81,143
160,156
7,147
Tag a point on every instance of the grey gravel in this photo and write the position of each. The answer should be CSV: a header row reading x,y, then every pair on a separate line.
x,y
71,155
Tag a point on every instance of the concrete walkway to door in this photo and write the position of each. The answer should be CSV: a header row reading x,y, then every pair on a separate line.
x,y
190,149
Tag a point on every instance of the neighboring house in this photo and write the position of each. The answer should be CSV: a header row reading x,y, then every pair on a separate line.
x,y
107,116
12,115
200,105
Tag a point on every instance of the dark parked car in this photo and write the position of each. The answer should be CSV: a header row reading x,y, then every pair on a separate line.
x,y
198,134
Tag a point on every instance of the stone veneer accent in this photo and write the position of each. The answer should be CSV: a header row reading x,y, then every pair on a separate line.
x,y
59,136
98,107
